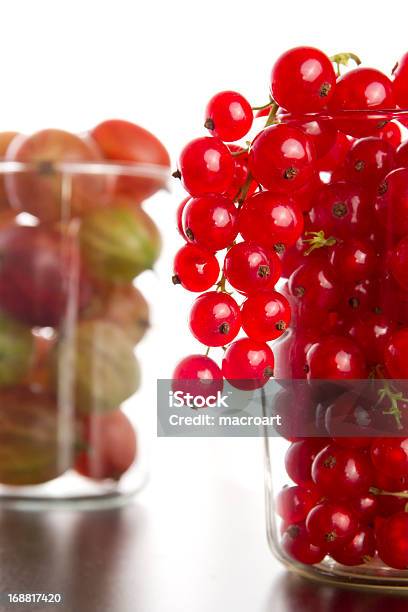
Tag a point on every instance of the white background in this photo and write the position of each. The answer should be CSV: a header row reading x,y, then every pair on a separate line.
x,y
70,64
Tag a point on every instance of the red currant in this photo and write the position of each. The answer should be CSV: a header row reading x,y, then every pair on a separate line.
x,y
365,506
356,259
372,332
392,541
342,473
361,549
346,418
215,318
336,357
297,545
303,80
249,267
206,166
398,263
195,269
322,134
210,222
248,364
336,156
369,160
198,375
391,133
331,525
401,155
241,173
396,352
265,316
271,220
390,504
342,210
281,158
392,203
299,459
293,504
390,456
229,116
400,82
179,216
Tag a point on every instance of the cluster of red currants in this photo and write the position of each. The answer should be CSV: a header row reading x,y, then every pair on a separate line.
x,y
317,201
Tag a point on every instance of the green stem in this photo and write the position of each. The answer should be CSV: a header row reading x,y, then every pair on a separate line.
x,y
318,241
258,108
388,392
272,114
399,494
243,192
343,59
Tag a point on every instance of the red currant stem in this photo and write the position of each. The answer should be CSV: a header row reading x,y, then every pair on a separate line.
x,y
388,392
243,192
221,284
207,352
238,153
318,241
342,59
257,108
400,494
272,114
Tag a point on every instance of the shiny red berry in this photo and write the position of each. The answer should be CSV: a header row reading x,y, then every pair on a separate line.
x,y
336,357
297,545
392,541
331,525
362,89
303,80
361,549
265,316
249,267
369,160
365,507
322,134
206,166
215,318
336,156
391,133
179,216
400,82
281,158
398,262
229,116
273,221
198,375
396,352
401,155
342,473
293,504
210,222
195,269
299,459
392,203
372,332
356,259
248,364
241,173
390,456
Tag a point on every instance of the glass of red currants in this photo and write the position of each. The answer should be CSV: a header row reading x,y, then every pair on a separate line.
x,y
73,238
296,239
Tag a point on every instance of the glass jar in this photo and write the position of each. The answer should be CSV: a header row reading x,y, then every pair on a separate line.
x,y
70,318
337,467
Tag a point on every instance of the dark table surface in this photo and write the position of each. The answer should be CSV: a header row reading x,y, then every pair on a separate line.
x,y
192,541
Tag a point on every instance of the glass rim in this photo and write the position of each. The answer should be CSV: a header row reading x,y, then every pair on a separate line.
x,y
107,168
377,114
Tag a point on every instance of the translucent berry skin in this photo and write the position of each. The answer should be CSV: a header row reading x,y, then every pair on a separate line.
x,y
390,456
195,269
297,545
248,364
400,82
342,209
293,504
299,459
398,263
206,166
369,160
249,267
392,541
362,89
229,116
336,357
391,133
372,332
342,473
265,316
271,220
396,353
330,525
303,80
281,158
210,222
356,258
359,550
198,375
215,318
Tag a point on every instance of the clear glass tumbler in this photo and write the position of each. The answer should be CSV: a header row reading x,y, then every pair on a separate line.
x,y
70,319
